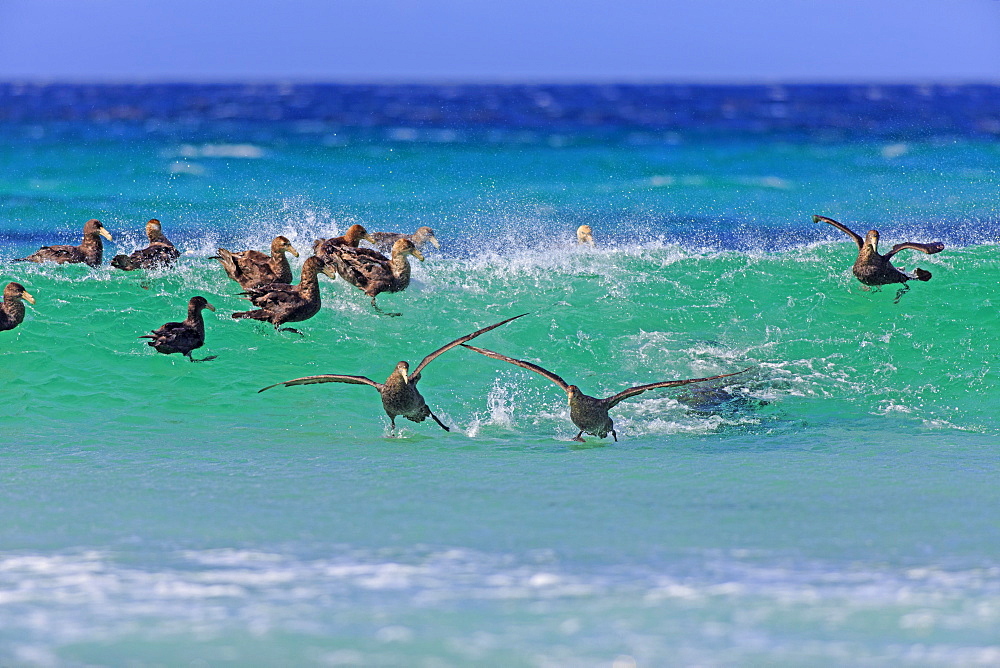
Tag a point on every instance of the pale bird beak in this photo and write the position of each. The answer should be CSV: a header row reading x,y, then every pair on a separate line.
x,y
434,241
209,307
29,298
104,233
417,254
291,249
406,376
368,238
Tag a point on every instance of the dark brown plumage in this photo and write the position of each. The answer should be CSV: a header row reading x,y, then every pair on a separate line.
x,y
352,237
252,269
279,303
158,254
871,268
399,391
12,309
384,240
372,272
590,414
182,337
88,252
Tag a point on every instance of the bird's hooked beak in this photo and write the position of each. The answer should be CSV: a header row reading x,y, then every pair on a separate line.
x,y
291,249
28,297
104,233
431,238
367,237
417,254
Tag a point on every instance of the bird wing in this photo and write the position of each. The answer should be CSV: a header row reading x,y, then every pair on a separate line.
x,y
155,254
521,363
930,249
639,389
843,228
275,295
415,376
169,328
327,378
58,253
360,266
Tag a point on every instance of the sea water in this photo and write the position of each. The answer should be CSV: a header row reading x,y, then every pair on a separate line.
x,y
836,505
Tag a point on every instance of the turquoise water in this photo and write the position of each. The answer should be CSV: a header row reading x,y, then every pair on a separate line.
x,y
841,510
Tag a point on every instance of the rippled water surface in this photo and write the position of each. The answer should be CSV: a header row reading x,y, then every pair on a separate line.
x,y
834,505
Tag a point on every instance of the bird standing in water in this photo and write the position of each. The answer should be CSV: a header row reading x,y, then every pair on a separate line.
x,y
159,253
872,268
399,391
182,337
252,269
89,252
590,414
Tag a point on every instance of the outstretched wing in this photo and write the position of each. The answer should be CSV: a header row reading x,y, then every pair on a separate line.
x,y
843,228
525,365
632,391
415,376
930,249
326,378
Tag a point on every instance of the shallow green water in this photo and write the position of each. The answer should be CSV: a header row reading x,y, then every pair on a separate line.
x,y
842,509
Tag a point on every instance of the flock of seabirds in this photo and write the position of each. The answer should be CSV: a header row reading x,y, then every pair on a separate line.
x,y
267,282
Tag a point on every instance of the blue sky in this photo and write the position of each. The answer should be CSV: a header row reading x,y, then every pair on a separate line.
x,y
501,40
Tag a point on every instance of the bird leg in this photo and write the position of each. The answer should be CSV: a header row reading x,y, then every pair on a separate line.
x,y
203,359
902,291
289,329
440,424
579,437
391,315
614,434
392,421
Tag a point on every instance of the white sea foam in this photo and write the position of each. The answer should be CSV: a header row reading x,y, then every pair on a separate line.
x,y
51,602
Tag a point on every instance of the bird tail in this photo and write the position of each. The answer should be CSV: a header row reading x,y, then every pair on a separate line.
x,y
259,314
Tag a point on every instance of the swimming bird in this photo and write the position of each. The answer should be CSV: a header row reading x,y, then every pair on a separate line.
x,y
88,252
354,235
12,309
584,235
159,253
373,273
871,268
384,240
399,391
590,414
252,269
182,337
279,303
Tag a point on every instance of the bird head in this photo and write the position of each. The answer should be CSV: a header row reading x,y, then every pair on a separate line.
x,y
283,244
425,234
93,226
200,303
17,291
406,247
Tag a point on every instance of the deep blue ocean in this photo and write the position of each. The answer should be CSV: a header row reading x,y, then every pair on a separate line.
x,y
835,505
